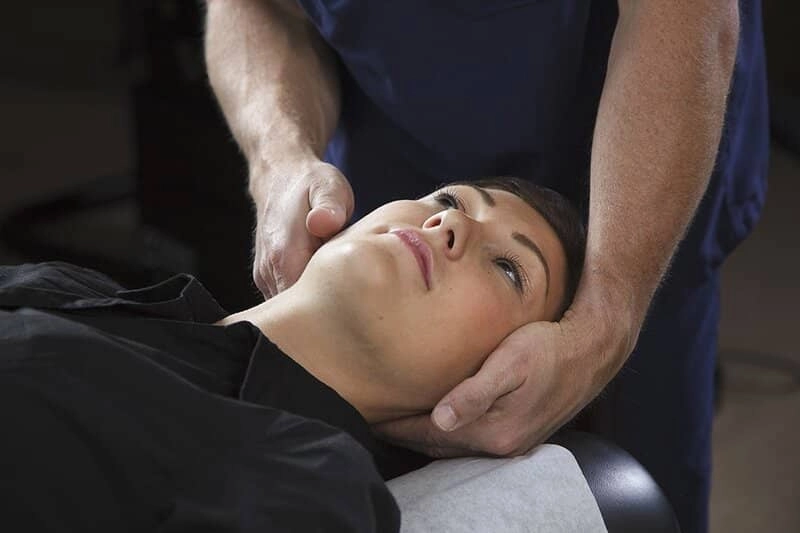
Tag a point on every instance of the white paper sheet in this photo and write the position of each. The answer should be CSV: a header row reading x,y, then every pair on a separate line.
x,y
543,491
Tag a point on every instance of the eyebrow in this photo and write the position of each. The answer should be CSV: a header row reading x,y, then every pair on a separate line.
x,y
520,238
487,198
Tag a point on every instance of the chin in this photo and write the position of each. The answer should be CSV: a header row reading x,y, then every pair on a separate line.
x,y
360,275
363,263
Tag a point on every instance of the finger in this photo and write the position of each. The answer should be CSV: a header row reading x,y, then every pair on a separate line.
x,y
262,281
501,373
330,201
324,221
289,265
260,274
419,434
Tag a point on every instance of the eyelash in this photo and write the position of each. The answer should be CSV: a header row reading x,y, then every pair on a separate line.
x,y
451,198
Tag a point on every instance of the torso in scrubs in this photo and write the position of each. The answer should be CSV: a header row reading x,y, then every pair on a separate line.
x,y
454,89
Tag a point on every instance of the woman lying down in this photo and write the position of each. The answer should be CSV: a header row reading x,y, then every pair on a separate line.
x,y
155,410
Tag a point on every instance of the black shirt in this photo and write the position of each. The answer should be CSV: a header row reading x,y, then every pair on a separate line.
x,y
128,410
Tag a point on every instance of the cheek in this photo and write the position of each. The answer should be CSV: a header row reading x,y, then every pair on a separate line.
x,y
465,327
480,309
479,320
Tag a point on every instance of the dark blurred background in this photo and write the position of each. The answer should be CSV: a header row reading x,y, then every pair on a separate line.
x,y
106,105
115,156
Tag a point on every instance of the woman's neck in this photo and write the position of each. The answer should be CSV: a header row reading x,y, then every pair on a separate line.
x,y
305,330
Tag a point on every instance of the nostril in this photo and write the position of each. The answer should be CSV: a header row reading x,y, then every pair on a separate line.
x,y
433,222
452,238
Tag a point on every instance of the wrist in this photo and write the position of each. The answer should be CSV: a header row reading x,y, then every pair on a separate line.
x,y
607,313
278,166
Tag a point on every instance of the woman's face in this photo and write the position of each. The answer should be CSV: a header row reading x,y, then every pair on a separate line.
x,y
431,286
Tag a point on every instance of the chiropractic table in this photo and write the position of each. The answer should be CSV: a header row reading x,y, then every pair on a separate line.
x,y
577,482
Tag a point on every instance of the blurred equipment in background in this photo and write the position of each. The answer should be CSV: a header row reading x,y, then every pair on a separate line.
x,y
186,208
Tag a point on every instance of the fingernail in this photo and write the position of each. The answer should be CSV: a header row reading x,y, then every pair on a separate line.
x,y
445,417
330,210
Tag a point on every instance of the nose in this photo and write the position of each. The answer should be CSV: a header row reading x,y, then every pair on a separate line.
x,y
449,231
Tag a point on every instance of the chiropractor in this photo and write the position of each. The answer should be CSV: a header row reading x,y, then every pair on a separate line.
x,y
619,105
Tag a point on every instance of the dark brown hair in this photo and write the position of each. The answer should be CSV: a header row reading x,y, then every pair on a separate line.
x,y
559,212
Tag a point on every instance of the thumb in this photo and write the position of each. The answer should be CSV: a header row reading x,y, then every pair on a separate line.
x,y
473,397
330,202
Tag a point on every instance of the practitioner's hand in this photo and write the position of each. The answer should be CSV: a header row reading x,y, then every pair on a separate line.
x,y
299,206
536,380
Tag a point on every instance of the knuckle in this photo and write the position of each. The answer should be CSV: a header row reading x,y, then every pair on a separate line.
x,y
522,361
504,443
274,260
258,278
436,453
321,180
478,395
497,382
327,172
329,182
518,365
259,271
435,441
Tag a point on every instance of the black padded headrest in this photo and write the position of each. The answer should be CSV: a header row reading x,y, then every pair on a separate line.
x,y
628,497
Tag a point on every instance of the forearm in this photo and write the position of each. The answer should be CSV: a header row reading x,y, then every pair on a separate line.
x,y
275,80
658,128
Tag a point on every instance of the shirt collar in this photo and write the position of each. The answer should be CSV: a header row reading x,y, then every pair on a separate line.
x,y
276,380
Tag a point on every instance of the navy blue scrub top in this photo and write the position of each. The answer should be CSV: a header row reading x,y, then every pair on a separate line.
x,y
434,91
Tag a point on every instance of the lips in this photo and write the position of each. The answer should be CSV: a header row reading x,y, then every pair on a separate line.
x,y
422,252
